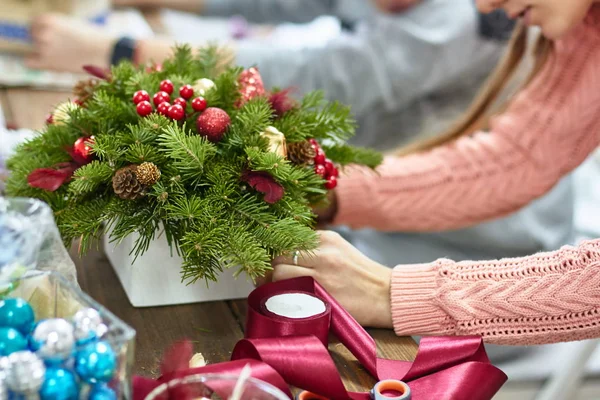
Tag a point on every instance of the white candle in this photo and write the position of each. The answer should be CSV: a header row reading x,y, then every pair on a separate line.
x,y
295,305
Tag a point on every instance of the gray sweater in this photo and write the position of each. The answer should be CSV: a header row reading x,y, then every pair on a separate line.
x,y
405,75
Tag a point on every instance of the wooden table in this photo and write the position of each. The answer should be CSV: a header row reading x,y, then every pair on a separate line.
x,y
214,327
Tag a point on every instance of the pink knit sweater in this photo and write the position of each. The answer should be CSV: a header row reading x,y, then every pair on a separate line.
x,y
548,130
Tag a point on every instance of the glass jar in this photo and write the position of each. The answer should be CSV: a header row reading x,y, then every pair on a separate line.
x,y
29,239
200,387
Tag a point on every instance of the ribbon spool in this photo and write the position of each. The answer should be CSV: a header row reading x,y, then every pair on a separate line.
x,y
289,311
391,389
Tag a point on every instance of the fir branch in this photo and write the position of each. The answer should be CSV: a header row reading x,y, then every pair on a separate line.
x,y
206,61
286,234
110,149
83,220
88,178
225,94
189,153
345,155
202,251
138,153
181,61
242,251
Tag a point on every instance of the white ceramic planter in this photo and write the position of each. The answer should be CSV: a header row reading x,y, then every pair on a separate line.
x,y
154,278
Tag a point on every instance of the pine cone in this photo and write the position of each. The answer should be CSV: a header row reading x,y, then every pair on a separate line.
x,y
147,173
301,153
126,184
85,89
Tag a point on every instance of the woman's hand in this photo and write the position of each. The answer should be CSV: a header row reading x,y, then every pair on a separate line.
x,y
66,44
358,283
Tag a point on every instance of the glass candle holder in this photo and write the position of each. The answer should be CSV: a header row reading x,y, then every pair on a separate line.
x,y
205,386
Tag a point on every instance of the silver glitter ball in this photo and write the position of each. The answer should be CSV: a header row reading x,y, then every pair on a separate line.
x,y
4,366
88,324
55,339
26,373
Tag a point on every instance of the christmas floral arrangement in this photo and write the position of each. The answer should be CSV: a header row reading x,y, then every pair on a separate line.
x,y
227,171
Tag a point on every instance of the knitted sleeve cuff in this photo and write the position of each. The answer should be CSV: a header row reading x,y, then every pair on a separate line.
x,y
415,310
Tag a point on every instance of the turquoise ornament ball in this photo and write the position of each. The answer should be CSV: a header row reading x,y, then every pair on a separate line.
x,y
102,392
60,384
16,313
11,341
96,362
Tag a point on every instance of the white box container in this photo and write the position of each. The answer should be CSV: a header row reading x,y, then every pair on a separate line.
x,y
154,279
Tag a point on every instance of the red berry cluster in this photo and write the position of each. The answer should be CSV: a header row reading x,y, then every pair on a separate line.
x,y
324,166
162,101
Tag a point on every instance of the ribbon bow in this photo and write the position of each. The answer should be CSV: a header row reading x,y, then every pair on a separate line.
x,y
281,350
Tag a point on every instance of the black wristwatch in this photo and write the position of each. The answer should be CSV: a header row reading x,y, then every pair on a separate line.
x,y
124,49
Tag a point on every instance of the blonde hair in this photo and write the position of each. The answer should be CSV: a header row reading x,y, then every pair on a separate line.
x,y
485,104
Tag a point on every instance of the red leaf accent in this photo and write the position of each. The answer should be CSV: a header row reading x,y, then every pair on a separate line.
x,y
177,358
51,179
264,183
282,102
96,71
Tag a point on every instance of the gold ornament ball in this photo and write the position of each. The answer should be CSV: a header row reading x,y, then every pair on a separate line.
x,y
147,173
276,139
201,86
61,116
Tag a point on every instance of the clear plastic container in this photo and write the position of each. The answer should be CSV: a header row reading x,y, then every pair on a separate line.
x,y
29,240
197,387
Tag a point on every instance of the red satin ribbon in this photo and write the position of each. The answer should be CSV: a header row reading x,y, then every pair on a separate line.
x,y
446,368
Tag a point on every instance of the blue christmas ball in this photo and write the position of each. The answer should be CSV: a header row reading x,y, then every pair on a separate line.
x,y
16,313
102,392
60,384
11,341
96,362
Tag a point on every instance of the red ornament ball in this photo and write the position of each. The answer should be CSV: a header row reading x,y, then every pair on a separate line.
x,y
199,104
160,97
181,101
176,112
334,172
320,157
186,91
331,183
167,86
320,170
213,124
163,108
313,142
144,108
329,166
139,96
49,119
82,152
